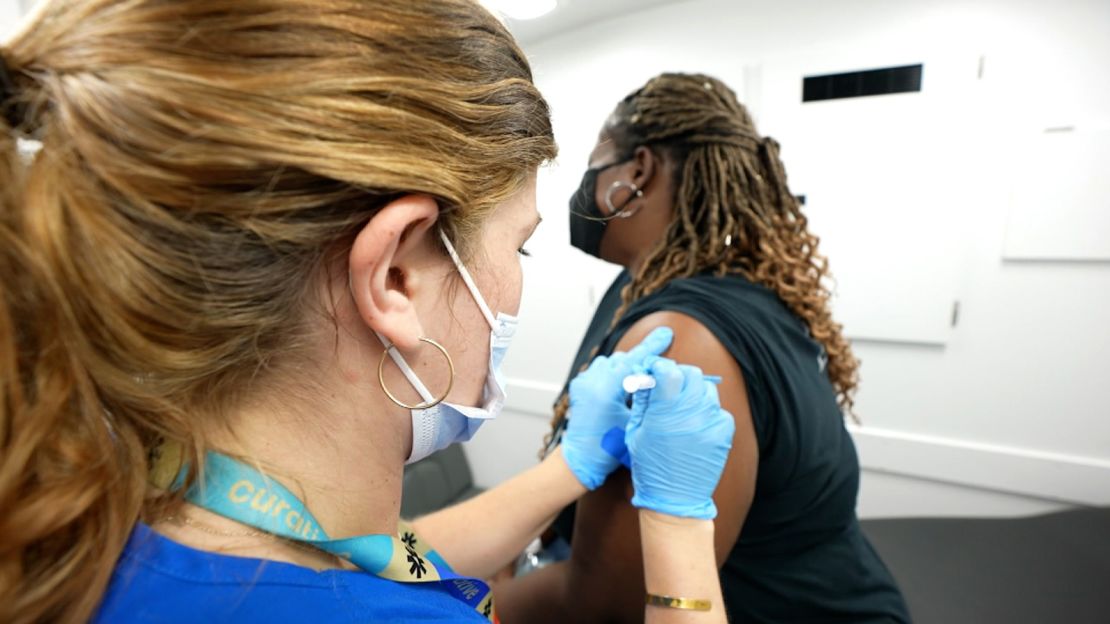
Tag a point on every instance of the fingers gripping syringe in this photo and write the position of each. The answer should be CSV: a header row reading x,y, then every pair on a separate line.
x,y
643,381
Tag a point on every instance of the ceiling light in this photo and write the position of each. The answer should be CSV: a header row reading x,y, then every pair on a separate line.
x,y
522,9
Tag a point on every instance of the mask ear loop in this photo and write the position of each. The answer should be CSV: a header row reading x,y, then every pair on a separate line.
x,y
469,281
623,213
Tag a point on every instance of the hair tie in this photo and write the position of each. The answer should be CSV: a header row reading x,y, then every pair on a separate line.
x,y
8,108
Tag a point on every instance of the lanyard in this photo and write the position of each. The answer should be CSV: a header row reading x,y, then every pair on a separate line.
x,y
236,491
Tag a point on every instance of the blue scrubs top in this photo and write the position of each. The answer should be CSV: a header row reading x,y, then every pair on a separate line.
x,y
159,580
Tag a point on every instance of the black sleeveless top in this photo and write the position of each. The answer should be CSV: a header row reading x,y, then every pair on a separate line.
x,y
801,556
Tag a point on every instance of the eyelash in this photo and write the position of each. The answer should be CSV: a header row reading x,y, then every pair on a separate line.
x,y
524,252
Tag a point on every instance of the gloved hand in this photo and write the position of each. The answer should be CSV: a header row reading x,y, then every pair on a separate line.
x,y
599,403
679,439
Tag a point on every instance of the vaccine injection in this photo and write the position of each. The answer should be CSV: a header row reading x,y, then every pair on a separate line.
x,y
642,381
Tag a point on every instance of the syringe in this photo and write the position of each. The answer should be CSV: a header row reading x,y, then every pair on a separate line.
x,y
643,381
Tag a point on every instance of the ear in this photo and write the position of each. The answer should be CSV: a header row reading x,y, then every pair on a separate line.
x,y
645,163
385,267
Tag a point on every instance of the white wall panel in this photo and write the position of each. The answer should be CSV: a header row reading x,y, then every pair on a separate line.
x,y
1060,203
883,185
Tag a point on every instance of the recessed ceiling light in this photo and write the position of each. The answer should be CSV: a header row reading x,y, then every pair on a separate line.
x,y
522,9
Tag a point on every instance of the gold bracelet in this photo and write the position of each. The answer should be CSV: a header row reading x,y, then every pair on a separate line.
x,y
691,604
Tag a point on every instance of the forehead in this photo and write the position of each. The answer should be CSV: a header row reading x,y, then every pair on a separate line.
x,y
603,149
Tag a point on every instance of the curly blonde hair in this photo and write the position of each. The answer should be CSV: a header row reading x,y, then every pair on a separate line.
x,y
733,211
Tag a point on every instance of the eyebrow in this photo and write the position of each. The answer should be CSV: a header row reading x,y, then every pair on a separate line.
x,y
539,220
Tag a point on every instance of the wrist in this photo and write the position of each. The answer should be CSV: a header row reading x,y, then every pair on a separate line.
x,y
679,559
652,520
588,461
576,485
706,509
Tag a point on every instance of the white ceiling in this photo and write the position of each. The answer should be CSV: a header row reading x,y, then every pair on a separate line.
x,y
571,14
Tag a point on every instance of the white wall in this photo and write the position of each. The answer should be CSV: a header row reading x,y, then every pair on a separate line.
x,y
1003,413
10,12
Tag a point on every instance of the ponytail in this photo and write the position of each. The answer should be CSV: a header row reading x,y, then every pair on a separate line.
x,y
69,478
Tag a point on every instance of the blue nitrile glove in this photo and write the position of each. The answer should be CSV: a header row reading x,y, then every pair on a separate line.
x,y
598,404
679,439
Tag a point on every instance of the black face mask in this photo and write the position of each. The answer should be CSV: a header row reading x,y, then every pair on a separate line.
x,y
587,222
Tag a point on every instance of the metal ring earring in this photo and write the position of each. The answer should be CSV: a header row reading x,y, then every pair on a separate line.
x,y
637,193
426,404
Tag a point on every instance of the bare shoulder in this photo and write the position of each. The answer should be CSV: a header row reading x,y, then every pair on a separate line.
x,y
693,343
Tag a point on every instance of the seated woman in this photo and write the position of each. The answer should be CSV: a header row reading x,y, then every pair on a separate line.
x,y
268,253
684,193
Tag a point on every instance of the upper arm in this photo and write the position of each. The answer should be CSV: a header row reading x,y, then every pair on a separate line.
x,y
694,344
606,567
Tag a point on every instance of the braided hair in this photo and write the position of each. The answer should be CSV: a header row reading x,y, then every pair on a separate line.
x,y
733,211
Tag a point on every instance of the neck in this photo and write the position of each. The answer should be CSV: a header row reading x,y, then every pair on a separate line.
x,y
345,470
336,443
635,263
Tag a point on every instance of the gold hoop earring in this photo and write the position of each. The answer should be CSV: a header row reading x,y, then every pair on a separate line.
x,y
426,405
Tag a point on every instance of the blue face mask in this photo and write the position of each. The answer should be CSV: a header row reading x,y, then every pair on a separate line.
x,y
437,427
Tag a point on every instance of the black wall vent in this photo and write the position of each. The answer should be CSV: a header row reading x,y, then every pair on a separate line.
x,y
862,83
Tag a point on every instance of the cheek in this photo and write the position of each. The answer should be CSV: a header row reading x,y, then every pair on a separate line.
x,y
504,284
614,242
514,288
599,197
500,282
466,337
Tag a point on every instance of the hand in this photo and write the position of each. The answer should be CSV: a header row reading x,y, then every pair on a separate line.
x,y
599,403
679,439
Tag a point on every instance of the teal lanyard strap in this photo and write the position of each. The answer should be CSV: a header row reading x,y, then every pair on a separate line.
x,y
237,491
